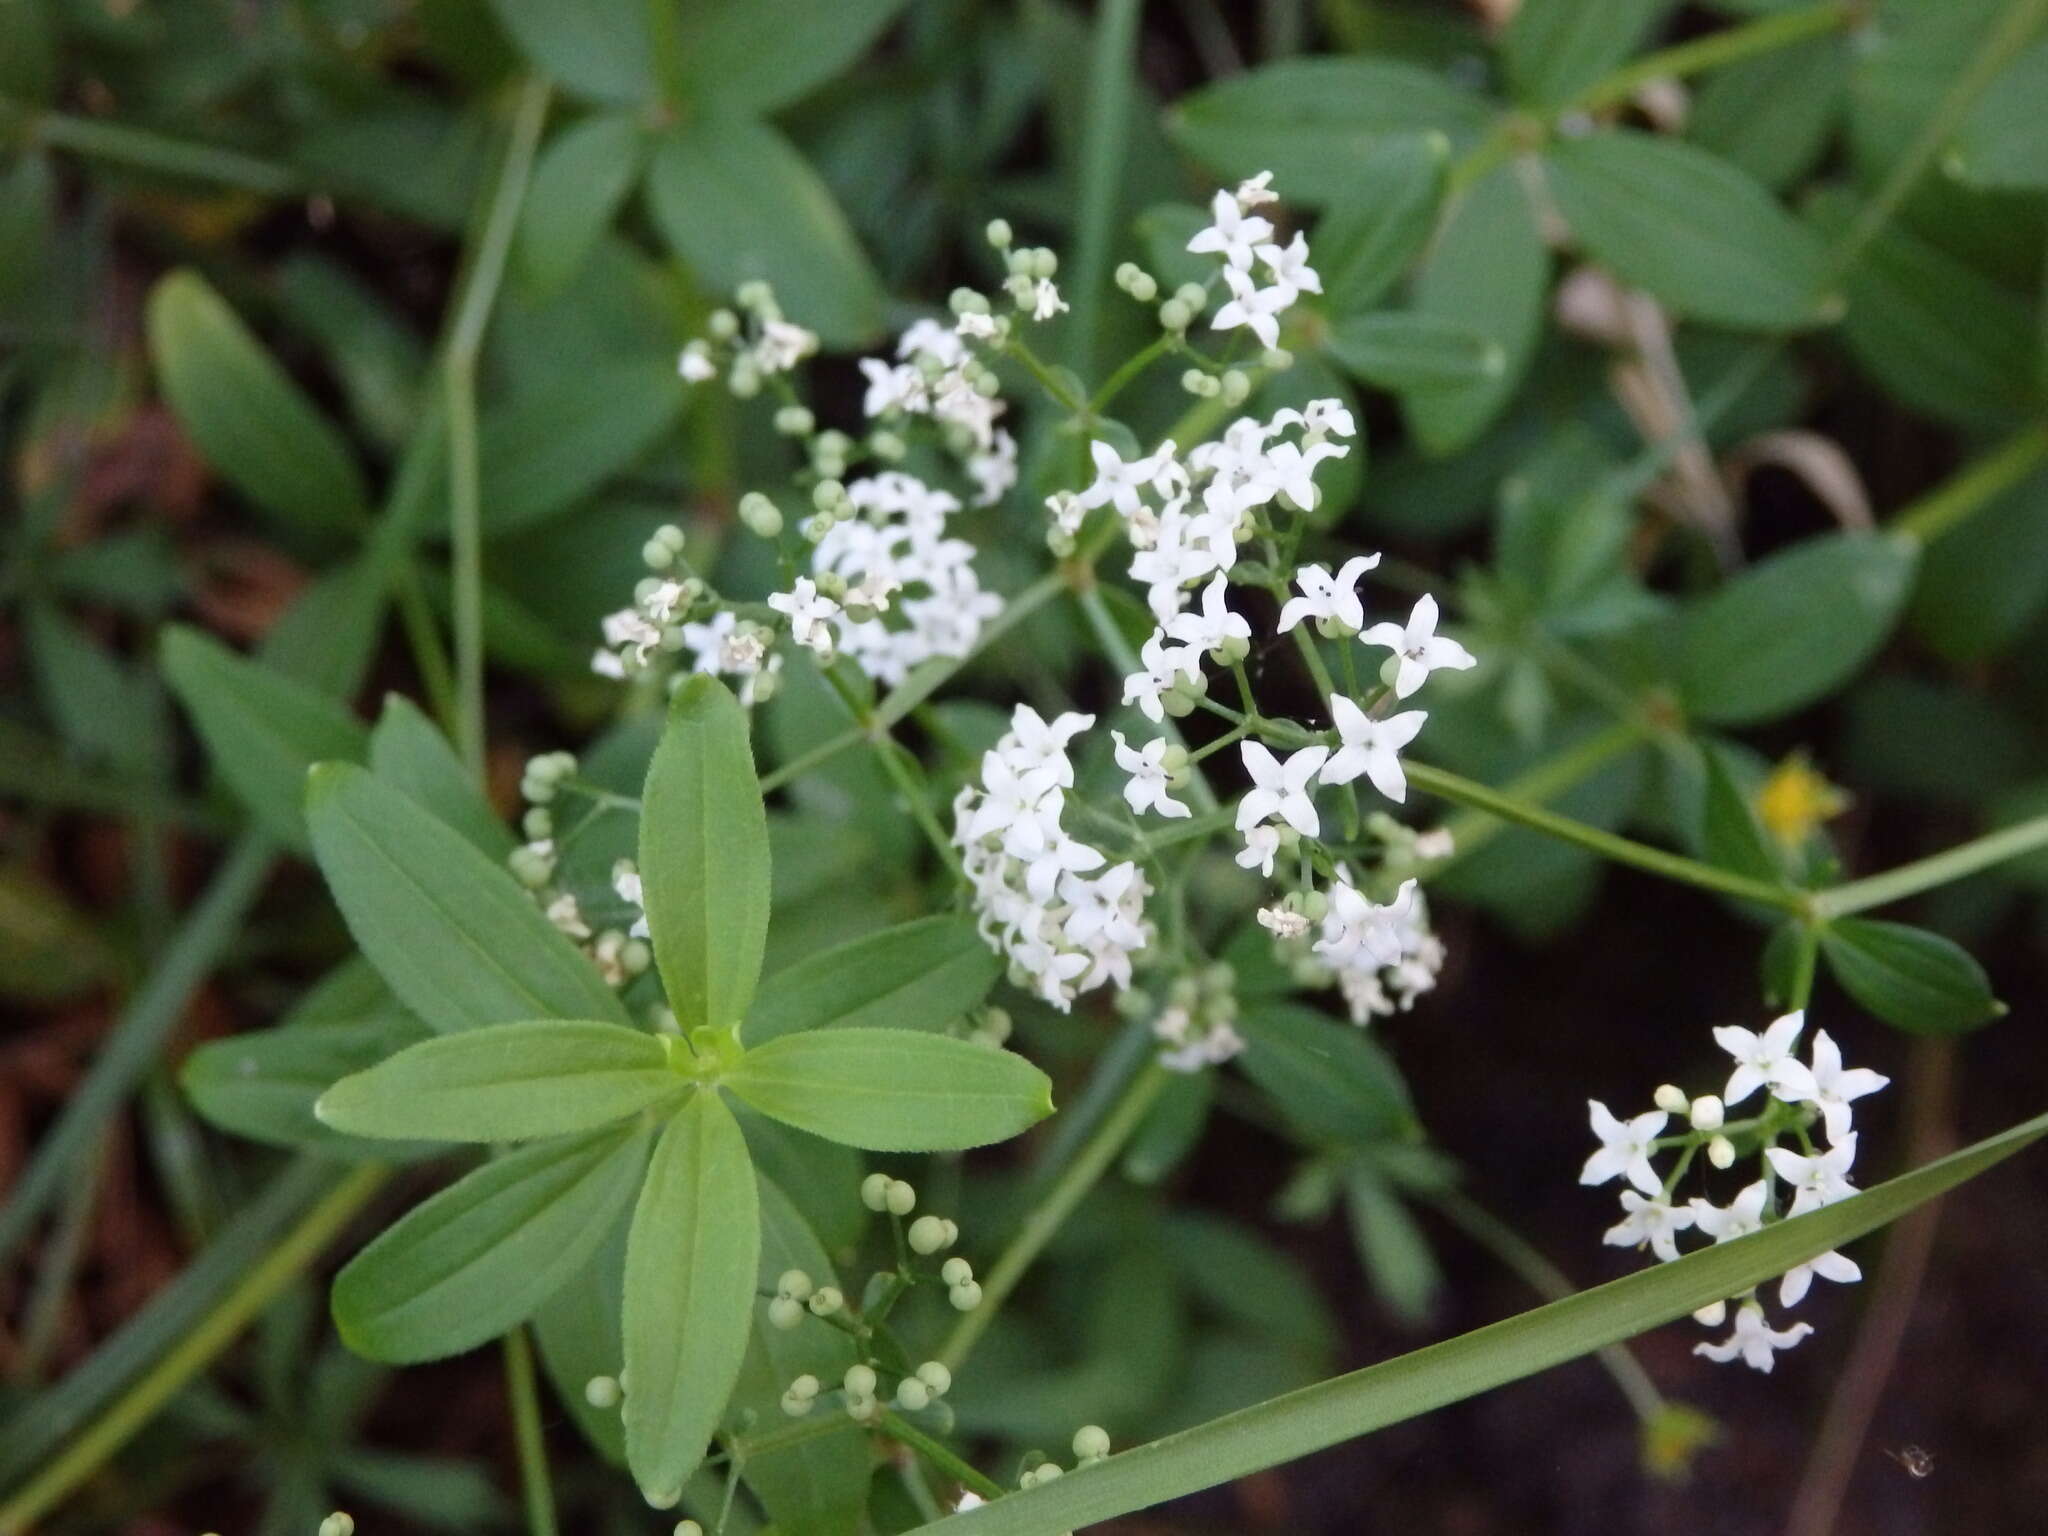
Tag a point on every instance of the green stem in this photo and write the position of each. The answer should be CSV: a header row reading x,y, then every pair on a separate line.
x,y
1608,845
894,1426
1472,829
1731,45
147,151
1938,869
1046,1217
1134,365
1804,962
804,762
192,1353
1124,659
536,1492
1977,483
1102,164
1048,381
423,636
458,379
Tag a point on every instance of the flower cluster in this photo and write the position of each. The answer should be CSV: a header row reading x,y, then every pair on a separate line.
x,y
1242,237
1797,1096
620,954
1037,895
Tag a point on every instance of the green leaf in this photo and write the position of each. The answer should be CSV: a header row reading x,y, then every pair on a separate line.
x,y
598,49
704,858
759,55
736,201
327,639
2004,143
262,731
456,937
1171,1127
893,1090
1408,352
1920,981
1691,229
100,703
1325,1075
1984,581
1396,1255
506,1082
578,1331
376,356
1792,628
1554,49
1731,835
1379,226
1284,1428
263,1084
408,750
579,183
50,950
1488,270
480,1256
550,446
1773,115
1312,121
691,1266
922,975
246,415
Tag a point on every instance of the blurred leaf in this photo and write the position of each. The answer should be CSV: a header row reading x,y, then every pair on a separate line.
x,y
1793,627
598,49
49,950
546,448
2005,141
98,702
704,858
1327,1076
409,153
735,201
1312,121
1164,231
438,1491
1245,1280
28,52
1985,581
578,1334
1690,228
136,572
822,1177
1731,835
892,1090
461,944
579,183
1554,49
1920,981
479,1257
262,1084
263,732
407,750
921,975
1946,743
691,1265
28,194
759,55
1372,234
376,357
1488,270
1396,1255
1173,1125
1772,115
506,1082
327,639
1414,353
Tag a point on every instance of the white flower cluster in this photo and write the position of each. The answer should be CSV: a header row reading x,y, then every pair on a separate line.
x,y
752,345
937,375
1064,928
619,954
1798,1093
1242,237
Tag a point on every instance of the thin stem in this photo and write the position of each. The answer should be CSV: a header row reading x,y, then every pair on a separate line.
x,y
458,377
804,762
423,636
1102,164
1048,381
1472,829
894,1426
535,1488
1731,45
1609,845
1046,1217
1135,364
1937,869
147,151
1103,622
1977,483
193,1352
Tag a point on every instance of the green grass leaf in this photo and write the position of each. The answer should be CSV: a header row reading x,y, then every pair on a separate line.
x,y
506,1082
2005,141
691,1263
918,975
758,55
893,1090
479,1257
461,944
1921,982
704,858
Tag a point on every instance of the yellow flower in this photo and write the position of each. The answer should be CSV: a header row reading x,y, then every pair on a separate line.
x,y
1796,799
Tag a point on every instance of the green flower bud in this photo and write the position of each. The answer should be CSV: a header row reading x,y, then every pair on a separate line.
x,y
1091,1442
968,301
537,824
927,1235
965,1298
828,495
1145,288
1193,296
656,555
795,421
601,1392
636,957
1045,262
887,446
936,1377
912,1395
1315,906
999,234
745,379
1276,359
797,1407
754,294
1174,315
825,1301
723,325
1199,384
956,1271
794,1284
901,1199
785,1312
874,1191
340,1523
1235,387
687,1528
762,517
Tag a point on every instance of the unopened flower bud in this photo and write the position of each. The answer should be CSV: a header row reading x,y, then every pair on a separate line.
x,y
1721,1152
1199,384
601,1392
860,1380
937,1379
687,1528
1671,1099
1712,1315
1045,262
965,1298
723,324
1236,386
912,1395
825,1301
999,234
927,1235
785,1312
1276,359
1091,1442
795,421
828,495
340,1523
901,1199
1174,315
874,1191
1707,1113
956,1271
887,446
761,515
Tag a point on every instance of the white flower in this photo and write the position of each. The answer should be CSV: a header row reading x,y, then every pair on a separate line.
x,y
1754,1339
1147,767
1819,1180
1625,1148
1213,624
1118,483
1280,789
1649,1220
782,346
695,364
1324,596
1046,301
1260,844
1766,1060
995,471
1256,191
1289,266
1833,1087
1420,648
1829,1266
979,325
810,613
1291,470
1371,747
1281,923
1361,936
1040,746
1740,1217
1164,666
892,387
1232,233
567,916
626,885
1252,306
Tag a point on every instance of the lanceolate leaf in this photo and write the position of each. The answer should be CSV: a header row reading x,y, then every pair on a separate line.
x,y
704,858
1402,351
263,1084
1357,1404
1326,1076
893,1090
480,1256
408,750
1370,235
920,975
457,939
1907,976
690,1273
506,1082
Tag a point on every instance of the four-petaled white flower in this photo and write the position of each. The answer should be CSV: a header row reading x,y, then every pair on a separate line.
x,y
1819,1180
810,615
1046,301
1754,1339
1420,648
1146,765
695,365
1738,1218
1371,747
1324,596
1232,233
1625,1148
1766,1060
1649,1220
1834,1087
1252,306
1829,1266
1260,844
1117,482
1042,746
1281,789
1289,265
1207,628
